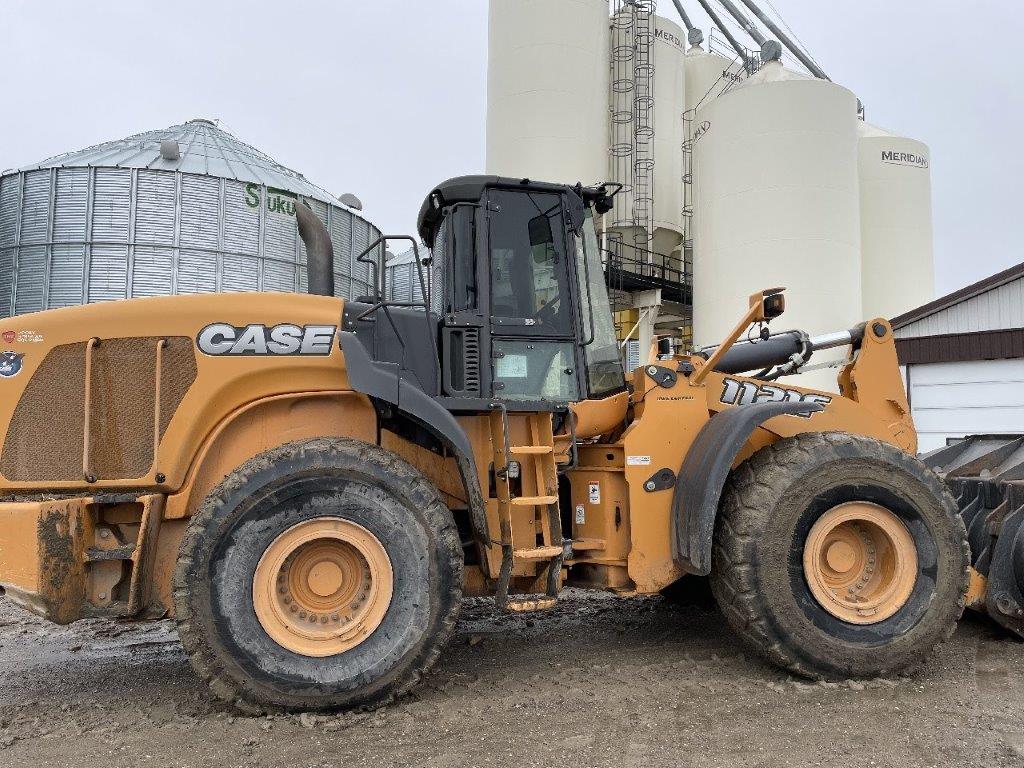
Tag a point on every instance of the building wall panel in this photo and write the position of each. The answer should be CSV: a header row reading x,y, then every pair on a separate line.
x,y
950,400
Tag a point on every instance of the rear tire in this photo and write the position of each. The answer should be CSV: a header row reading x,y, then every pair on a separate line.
x,y
226,605
759,577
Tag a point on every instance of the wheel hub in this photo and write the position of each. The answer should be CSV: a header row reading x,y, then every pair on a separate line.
x,y
322,587
860,562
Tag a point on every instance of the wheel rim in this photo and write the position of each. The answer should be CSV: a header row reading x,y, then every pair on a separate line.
x,y
322,587
860,562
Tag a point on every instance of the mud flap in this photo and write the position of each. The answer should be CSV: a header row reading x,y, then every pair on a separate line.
x,y
383,380
704,472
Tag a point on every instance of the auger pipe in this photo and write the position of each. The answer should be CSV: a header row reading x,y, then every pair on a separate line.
x,y
682,14
743,21
725,31
693,35
804,59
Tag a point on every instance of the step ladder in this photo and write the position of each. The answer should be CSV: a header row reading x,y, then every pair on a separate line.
x,y
545,549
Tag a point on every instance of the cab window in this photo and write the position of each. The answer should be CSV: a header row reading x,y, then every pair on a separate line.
x,y
528,275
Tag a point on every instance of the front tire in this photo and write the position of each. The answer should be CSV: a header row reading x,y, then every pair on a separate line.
x,y
839,556
322,574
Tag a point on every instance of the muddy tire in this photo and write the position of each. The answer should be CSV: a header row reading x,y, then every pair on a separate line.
x,y
240,636
766,527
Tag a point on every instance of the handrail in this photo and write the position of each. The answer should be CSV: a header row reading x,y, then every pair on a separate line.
x,y
157,381
382,303
87,420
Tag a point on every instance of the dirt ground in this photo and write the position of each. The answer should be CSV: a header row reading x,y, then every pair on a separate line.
x,y
598,681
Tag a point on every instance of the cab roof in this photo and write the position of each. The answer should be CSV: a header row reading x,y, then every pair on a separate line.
x,y
469,189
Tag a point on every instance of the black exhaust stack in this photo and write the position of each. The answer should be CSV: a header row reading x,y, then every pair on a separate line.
x,y
319,251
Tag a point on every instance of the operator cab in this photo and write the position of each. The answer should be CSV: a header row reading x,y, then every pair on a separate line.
x,y
518,307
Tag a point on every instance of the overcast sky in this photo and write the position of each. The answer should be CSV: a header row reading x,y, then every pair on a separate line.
x,y
384,98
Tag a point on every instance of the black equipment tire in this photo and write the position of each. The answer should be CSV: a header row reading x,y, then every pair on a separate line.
x,y
272,493
770,503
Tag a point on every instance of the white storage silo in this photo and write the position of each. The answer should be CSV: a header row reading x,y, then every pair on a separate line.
x,y
623,95
707,75
777,204
895,223
547,90
669,105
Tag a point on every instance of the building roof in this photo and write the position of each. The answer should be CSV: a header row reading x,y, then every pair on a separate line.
x,y
984,321
198,146
959,297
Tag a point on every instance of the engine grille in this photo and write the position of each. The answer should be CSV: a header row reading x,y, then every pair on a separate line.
x,y
46,435
471,350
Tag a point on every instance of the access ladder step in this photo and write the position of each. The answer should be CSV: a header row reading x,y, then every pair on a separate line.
x,y
538,553
533,501
529,450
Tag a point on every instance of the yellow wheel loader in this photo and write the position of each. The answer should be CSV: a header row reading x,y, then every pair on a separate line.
x,y
310,485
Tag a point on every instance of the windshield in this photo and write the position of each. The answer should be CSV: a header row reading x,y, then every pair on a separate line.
x,y
604,366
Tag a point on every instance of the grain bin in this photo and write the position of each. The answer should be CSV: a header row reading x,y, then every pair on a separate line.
x,y
777,203
895,223
185,209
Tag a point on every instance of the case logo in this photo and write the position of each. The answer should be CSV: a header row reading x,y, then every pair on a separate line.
x,y
9,337
747,392
10,364
284,339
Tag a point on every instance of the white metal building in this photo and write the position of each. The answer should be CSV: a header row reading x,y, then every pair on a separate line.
x,y
963,357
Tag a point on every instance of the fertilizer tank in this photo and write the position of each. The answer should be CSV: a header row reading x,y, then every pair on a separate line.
x,y
669,105
547,90
707,75
895,222
777,203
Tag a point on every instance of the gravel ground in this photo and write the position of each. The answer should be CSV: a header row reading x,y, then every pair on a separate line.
x,y
597,681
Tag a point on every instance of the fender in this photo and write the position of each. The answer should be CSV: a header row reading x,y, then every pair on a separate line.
x,y
381,380
703,474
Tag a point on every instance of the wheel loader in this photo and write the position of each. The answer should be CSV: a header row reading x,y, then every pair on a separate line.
x,y
308,486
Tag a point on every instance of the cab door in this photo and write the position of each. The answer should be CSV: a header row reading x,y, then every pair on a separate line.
x,y
533,318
